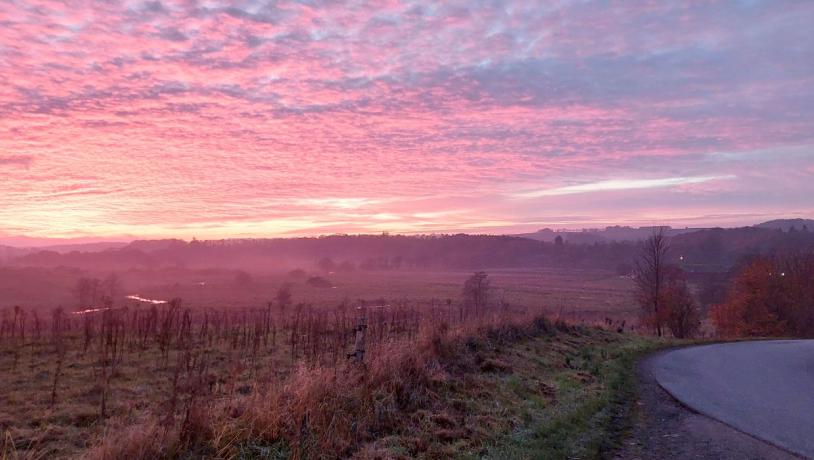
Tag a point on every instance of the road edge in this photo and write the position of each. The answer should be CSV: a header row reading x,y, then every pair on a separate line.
x,y
648,361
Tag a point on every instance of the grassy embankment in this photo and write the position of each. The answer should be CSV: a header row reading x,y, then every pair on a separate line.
x,y
533,391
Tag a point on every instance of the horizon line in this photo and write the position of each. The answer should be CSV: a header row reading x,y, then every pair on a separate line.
x,y
45,242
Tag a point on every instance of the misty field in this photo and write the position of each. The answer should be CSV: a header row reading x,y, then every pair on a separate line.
x,y
581,293
76,380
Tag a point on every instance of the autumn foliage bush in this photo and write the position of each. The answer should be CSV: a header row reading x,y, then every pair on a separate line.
x,y
769,297
681,313
678,310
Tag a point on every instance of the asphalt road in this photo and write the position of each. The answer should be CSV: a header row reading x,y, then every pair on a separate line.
x,y
765,388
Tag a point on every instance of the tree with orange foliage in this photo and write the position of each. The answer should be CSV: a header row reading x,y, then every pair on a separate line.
x,y
752,308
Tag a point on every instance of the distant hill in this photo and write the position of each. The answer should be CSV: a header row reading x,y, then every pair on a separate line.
x,y
723,247
60,244
697,250
591,236
156,245
711,249
548,235
366,252
84,247
10,252
788,224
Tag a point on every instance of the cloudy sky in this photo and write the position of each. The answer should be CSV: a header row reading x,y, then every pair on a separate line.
x,y
251,118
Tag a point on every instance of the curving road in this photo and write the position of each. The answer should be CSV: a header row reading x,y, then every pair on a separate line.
x,y
764,388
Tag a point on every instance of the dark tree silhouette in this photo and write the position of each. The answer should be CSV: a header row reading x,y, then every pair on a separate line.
x,y
681,312
88,291
327,264
111,287
650,277
284,296
318,282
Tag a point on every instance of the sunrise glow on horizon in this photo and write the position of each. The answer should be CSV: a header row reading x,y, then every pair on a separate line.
x,y
219,119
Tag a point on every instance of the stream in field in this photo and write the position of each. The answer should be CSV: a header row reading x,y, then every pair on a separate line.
x,y
145,300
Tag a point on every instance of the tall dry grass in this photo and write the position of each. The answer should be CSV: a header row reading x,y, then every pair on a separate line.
x,y
272,379
331,412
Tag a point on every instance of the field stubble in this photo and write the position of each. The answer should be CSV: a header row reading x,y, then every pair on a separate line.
x,y
72,381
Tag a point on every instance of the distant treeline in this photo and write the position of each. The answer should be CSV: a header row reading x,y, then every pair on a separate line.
x,y
711,250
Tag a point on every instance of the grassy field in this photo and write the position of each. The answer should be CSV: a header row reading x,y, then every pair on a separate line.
x,y
571,289
45,415
73,382
579,292
500,389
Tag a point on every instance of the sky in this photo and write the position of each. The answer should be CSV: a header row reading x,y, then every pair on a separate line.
x,y
215,119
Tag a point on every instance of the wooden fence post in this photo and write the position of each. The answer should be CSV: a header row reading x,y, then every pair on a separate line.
x,y
361,329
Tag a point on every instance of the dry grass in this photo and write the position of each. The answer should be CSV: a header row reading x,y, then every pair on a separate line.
x,y
69,378
170,381
452,392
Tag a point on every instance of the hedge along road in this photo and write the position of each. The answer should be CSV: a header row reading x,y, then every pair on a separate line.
x,y
763,388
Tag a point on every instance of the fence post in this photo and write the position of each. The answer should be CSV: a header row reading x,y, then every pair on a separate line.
x,y
361,329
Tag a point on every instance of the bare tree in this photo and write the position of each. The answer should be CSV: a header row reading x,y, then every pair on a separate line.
x,y
112,287
88,291
476,292
650,278
284,296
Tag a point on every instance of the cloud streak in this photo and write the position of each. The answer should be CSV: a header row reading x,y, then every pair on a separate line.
x,y
620,184
17,160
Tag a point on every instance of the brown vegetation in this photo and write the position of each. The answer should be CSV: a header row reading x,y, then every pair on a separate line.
x,y
434,398
662,291
142,369
769,297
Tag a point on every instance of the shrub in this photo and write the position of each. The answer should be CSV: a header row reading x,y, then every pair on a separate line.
x,y
318,282
683,317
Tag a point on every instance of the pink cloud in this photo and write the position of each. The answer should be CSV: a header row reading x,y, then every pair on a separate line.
x,y
166,118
